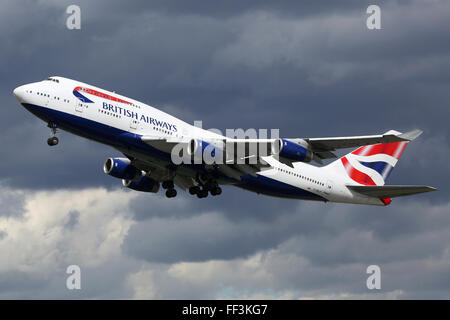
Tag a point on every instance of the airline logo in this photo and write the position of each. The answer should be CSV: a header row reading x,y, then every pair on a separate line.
x,y
80,93
371,165
77,92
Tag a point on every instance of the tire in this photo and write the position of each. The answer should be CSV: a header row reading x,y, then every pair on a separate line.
x,y
171,193
202,194
194,190
216,191
53,141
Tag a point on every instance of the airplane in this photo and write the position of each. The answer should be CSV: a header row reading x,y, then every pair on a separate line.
x,y
147,137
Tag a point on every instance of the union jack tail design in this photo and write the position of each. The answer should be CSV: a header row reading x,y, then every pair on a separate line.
x,y
371,165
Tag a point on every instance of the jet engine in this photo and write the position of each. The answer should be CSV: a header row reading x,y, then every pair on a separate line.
x,y
292,150
207,151
121,168
144,184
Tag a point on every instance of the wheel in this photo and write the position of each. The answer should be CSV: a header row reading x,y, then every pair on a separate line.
x,y
52,141
171,193
168,184
202,194
216,191
194,190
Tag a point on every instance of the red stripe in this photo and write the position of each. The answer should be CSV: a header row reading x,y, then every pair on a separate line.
x,y
100,94
356,175
386,148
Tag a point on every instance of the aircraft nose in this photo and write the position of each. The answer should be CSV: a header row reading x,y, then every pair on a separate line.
x,y
18,93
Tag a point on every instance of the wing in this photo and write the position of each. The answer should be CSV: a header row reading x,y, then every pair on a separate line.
x,y
252,152
390,191
323,147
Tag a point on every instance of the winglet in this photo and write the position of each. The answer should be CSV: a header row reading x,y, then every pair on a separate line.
x,y
411,135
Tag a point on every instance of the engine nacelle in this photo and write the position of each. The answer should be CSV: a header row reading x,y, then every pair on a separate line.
x,y
200,148
292,150
144,184
121,168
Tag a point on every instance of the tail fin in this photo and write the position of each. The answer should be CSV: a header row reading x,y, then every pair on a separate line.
x,y
371,165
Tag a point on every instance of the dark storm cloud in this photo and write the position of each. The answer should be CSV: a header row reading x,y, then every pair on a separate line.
x,y
309,68
227,9
200,238
326,233
103,282
276,65
256,206
14,284
326,249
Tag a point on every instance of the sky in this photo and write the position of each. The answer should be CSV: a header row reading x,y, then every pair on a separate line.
x,y
308,68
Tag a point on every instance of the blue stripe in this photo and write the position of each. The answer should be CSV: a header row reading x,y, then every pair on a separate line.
x,y
378,166
81,97
272,187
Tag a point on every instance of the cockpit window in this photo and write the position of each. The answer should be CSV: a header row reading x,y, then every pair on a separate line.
x,y
53,79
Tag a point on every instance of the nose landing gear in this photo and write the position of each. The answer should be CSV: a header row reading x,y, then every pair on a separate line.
x,y
53,140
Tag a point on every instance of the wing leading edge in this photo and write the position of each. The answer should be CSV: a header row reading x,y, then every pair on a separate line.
x,y
323,147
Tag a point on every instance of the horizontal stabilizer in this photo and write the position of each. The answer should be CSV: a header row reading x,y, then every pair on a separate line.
x,y
390,191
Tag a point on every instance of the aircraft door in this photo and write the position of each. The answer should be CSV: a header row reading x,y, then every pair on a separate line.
x,y
328,187
78,106
46,101
134,124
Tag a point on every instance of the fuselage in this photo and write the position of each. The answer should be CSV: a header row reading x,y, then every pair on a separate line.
x,y
120,122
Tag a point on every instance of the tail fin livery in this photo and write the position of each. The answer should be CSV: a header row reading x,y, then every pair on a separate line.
x,y
371,165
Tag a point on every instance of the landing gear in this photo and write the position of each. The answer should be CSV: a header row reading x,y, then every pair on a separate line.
x,y
203,193
216,191
200,192
168,184
53,140
205,187
171,193
194,190
170,188
213,188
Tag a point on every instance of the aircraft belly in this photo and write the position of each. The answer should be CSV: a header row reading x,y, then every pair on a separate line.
x,y
272,187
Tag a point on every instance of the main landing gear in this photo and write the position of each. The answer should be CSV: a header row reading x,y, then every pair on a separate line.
x,y
53,140
170,188
202,191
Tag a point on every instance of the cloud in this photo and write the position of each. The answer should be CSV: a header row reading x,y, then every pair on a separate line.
x,y
310,69
39,241
316,251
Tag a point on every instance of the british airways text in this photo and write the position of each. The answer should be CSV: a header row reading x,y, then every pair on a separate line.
x,y
143,118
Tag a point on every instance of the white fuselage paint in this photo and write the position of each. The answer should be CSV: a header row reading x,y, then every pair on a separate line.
x,y
58,96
